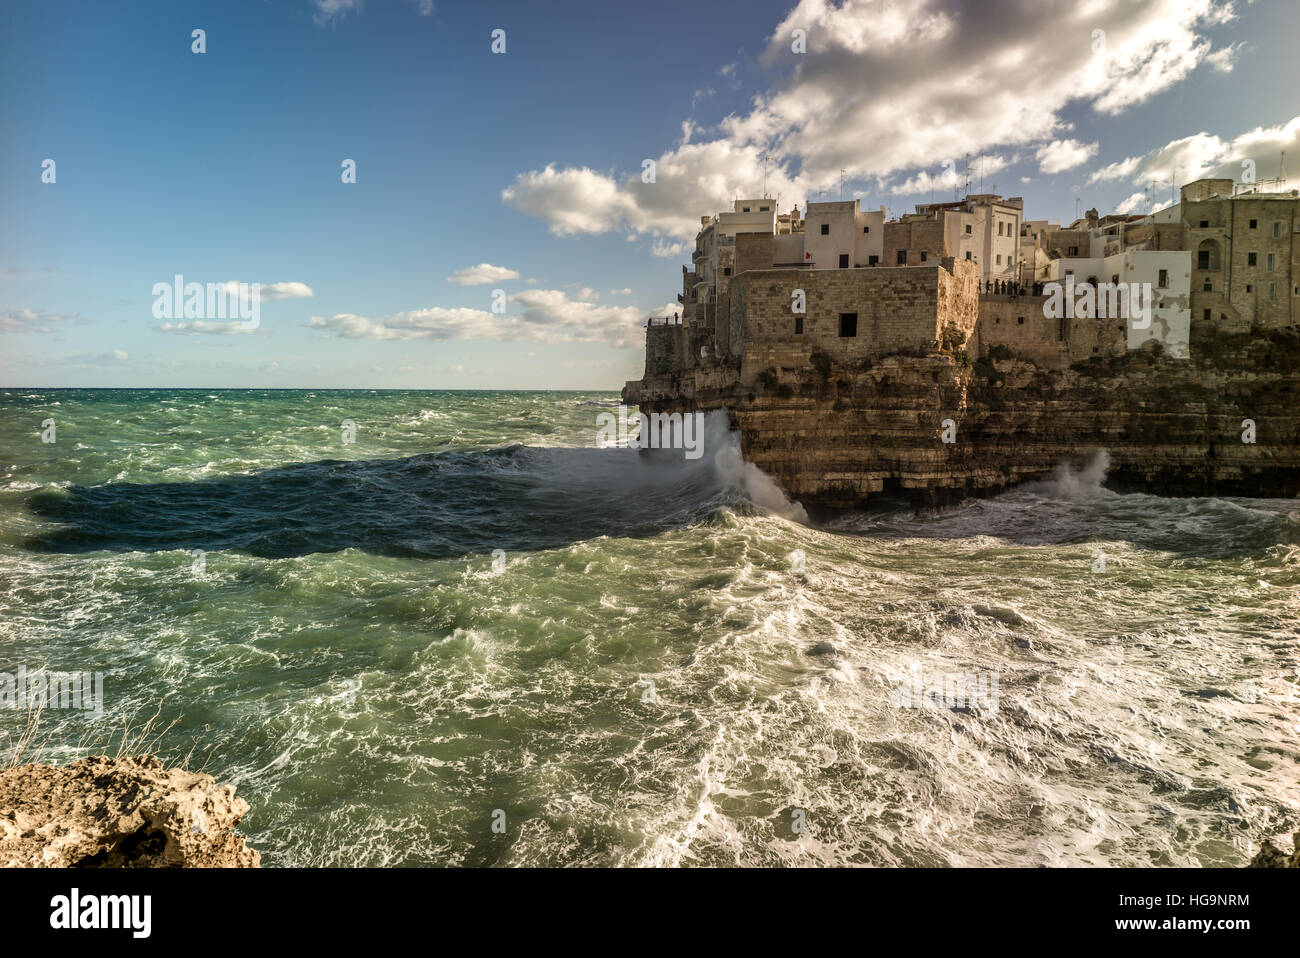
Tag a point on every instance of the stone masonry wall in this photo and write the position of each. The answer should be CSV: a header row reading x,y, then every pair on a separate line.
x,y
897,309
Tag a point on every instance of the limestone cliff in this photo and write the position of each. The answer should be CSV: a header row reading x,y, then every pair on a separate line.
x,y
834,434
119,813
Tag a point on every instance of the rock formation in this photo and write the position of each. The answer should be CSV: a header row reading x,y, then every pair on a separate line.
x,y
1270,856
119,813
835,434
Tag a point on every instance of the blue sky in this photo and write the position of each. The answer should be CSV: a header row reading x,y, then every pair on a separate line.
x,y
225,165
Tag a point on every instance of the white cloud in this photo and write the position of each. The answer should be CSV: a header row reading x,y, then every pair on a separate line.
x,y
546,316
1134,203
110,358
625,291
482,273
953,175
667,250
1224,60
273,291
30,320
1204,155
267,292
888,87
196,327
1063,155
328,11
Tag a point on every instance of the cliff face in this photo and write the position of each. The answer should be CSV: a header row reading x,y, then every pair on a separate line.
x,y
119,813
833,435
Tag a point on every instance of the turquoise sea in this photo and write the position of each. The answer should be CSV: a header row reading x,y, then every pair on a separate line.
x,y
472,637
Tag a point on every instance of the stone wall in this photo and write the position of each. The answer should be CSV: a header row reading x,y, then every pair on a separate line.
x,y
1019,323
896,309
664,349
914,237
754,251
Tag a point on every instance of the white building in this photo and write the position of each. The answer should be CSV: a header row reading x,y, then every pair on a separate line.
x,y
1169,275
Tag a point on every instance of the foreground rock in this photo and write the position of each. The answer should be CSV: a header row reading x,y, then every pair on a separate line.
x,y
1270,856
119,813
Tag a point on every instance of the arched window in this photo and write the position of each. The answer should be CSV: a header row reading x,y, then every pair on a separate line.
x,y
1207,255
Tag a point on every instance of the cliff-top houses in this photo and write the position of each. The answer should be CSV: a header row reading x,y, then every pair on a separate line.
x,y
767,288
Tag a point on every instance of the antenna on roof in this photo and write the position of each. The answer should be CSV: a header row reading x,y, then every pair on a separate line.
x,y
841,182
765,196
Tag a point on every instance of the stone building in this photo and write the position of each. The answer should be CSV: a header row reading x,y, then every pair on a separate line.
x,y
983,228
871,286
1246,258
850,314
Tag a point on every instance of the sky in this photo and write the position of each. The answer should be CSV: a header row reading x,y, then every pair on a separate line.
x,y
503,230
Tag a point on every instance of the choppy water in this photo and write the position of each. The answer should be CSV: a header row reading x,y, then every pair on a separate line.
x,y
348,657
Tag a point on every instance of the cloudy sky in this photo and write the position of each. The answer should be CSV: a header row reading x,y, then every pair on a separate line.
x,y
499,232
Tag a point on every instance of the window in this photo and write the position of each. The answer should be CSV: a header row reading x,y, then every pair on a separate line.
x,y
744,209
764,209
923,256
873,260
1254,224
999,229
798,325
1204,224
999,260
1250,288
1163,280
902,257
968,254
1206,317
1203,259
848,325
1272,290
1250,259
1020,320
996,320
826,229
1269,267
844,261
1208,287
866,229
968,229
1277,230
726,271
1074,251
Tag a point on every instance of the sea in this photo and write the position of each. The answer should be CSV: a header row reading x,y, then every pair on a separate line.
x,y
427,628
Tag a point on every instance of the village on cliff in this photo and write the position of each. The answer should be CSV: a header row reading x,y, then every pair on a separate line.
x,y
961,349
